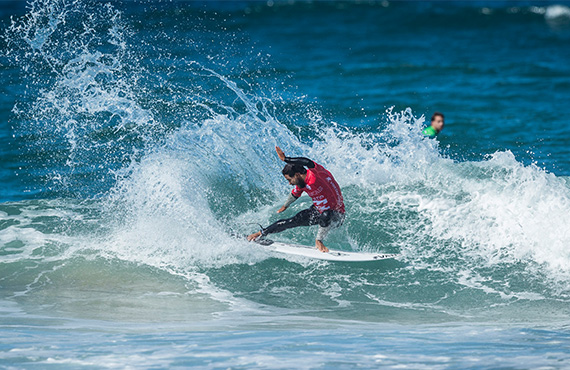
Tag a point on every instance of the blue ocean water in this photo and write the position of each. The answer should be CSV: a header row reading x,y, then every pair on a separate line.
x,y
138,137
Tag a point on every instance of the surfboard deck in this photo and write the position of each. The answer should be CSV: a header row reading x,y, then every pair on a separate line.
x,y
314,253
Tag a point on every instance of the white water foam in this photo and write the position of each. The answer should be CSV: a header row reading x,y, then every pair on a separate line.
x,y
483,214
557,16
162,211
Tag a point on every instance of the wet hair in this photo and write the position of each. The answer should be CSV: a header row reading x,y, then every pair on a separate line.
x,y
291,169
437,114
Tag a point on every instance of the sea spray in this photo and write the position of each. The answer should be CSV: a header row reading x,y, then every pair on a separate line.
x,y
141,269
181,167
404,195
80,111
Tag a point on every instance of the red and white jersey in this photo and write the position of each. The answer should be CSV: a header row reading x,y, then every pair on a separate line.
x,y
323,189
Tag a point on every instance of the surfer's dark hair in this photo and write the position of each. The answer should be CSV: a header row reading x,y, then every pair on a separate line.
x,y
437,114
291,169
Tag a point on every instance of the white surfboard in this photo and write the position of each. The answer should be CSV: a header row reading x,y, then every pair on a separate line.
x,y
331,255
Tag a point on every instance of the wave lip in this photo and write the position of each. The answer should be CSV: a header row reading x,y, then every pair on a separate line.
x,y
557,16
557,11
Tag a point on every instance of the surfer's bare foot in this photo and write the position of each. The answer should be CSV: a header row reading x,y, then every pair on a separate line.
x,y
321,246
253,236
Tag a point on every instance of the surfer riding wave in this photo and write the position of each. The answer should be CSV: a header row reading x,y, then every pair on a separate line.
x,y
327,210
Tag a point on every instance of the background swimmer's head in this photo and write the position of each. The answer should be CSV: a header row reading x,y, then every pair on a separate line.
x,y
437,121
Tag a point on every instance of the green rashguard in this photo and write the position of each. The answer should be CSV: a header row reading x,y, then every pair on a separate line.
x,y
430,131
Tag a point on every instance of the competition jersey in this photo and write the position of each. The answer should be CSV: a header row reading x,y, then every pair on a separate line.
x,y
323,189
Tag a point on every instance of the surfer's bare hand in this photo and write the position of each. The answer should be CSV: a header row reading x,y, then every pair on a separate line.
x,y
281,209
321,246
254,236
280,153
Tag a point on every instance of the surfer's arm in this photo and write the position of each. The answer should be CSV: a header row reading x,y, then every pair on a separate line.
x,y
288,202
301,161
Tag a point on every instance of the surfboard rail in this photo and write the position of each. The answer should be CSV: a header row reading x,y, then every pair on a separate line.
x,y
314,253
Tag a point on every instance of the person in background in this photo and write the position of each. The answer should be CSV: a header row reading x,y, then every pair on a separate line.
x,y
437,122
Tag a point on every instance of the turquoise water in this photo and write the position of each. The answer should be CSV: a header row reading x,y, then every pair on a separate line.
x,y
138,137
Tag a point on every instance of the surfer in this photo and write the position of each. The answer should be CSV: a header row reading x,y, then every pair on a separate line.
x,y
437,122
327,210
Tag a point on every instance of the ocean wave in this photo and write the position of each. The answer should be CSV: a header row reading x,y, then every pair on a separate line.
x,y
157,176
